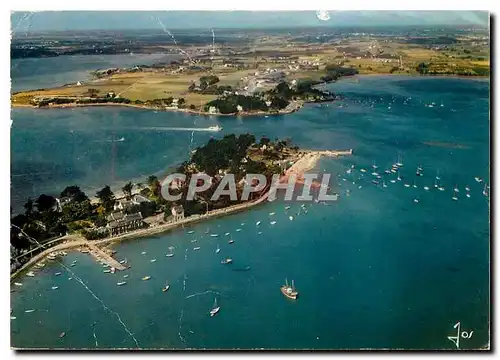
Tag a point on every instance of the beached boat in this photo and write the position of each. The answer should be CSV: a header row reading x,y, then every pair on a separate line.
x,y
215,308
289,291
121,283
146,278
30,274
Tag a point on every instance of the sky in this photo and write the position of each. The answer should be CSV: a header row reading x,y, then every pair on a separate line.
x,y
134,20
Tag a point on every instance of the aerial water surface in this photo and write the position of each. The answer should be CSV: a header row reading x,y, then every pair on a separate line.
x,y
376,269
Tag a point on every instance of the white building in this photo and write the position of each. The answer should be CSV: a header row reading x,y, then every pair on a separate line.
x,y
239,108
212,110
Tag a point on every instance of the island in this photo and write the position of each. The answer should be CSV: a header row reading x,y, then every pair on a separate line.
x,y
52,224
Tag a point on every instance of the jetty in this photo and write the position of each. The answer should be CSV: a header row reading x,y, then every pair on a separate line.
x,y
104,258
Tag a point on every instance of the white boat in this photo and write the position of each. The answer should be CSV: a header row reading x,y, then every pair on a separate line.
x,y
426,188
258,223
143,253
218,249
238,230
384,184
259,233
106,271
400,161
123,261
374,165
393,181
165,289
227,234
197,248
30,274
125,276
193,241
169,255
215,308
441,188
226,261
230,241
456,189
152,260
362,170
468,195
271,214
415,200
242,224
55,287
29,311
399,177
18,284
121,283
13,318
454,198
214,235
57,274
190,232
145,278
407,185
375,173
214,128
485,193
478,179
467,188
287,207
273,222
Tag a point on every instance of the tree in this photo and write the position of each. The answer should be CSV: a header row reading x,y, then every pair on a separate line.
x,y
181,101
45,203
127,189
92,92
74,193
106,198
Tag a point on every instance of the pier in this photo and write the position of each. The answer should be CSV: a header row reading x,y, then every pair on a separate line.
x,y
101,256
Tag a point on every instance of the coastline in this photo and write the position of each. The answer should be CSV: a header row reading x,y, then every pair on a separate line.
x,y
305,163
298,106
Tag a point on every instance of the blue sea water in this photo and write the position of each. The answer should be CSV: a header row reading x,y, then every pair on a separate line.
x,y
374,269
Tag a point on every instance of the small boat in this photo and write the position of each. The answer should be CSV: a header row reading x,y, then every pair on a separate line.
x,y
456,189
13,318
414,185
70,278
190,232
215,308
384,184
258,223
259,233
214,235
123,261
29,311
400,161
206,231
238,230
113,270
468,195
399,177
426,188
289,291
218,249
55,287
165,288
230,241
407,185
72,264
146,278
57,274
106,271
362,170
394,171
143,253
393,181
193,241
467,188
375,173
152,260
374,165
84,251
197,248
387,171
169,255
441,188
454,198
415,200
287,207
121,283
485,192
290,217
375,182
273,222
18,284
227,234
478,179
227,261
271,214
30,274
61,335
242,224
125,276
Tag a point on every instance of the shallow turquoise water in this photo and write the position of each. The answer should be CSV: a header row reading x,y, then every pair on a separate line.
x,y
374,270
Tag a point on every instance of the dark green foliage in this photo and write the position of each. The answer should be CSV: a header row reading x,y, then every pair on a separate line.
x,y
229,104
74,193
106,198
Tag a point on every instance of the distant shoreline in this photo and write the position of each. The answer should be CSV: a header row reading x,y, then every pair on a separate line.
x,y
188,111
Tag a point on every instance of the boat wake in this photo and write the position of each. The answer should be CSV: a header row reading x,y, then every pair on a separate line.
x,y
161,128
102,303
